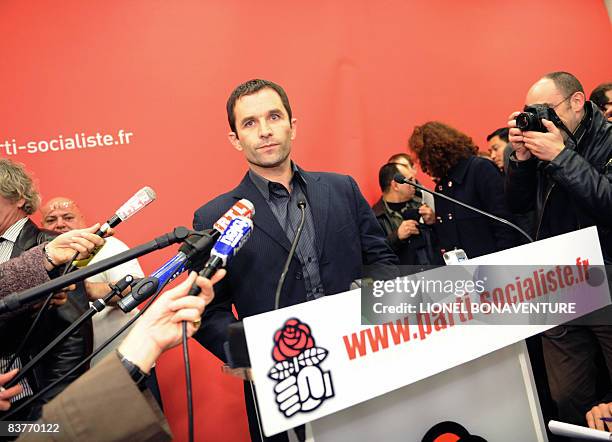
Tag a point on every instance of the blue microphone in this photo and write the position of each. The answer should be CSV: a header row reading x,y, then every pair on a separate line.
x,y
185,258
150,285
228,244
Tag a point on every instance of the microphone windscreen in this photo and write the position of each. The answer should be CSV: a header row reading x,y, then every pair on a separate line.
x,y
399,178
142,198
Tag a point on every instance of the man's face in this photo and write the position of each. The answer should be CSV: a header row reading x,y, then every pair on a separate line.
x,y
569,109
10,213
496,151
406,190
263,130
608,106
62,216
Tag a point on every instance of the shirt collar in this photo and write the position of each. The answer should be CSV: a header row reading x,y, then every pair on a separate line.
x,y
263,184
13,232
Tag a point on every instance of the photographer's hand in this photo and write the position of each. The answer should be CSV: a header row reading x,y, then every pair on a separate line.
x,y
546,146
515,136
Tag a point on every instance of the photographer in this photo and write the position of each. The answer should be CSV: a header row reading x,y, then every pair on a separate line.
x,y
562,167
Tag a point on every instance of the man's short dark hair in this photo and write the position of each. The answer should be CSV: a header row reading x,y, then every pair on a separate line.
x,y
599,97
395,158
566,83
386,174
248,88
502,133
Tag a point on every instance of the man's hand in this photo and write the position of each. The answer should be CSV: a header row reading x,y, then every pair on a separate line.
x,y
160,326
407,228
63,248
594,416
429,217
6,395
515,136
545,146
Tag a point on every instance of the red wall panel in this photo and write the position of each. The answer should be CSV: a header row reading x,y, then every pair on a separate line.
x,y
360,76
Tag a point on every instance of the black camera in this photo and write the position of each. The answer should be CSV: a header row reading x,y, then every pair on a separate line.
x,y
531,118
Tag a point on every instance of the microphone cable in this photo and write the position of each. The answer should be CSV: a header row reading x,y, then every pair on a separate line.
x,y
187,364
302,205
87,359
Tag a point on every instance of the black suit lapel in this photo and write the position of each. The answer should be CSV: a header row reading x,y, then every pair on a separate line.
x,y
264,219
26,239
318,198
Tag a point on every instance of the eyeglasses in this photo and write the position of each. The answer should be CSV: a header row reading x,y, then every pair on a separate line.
x,y
562,101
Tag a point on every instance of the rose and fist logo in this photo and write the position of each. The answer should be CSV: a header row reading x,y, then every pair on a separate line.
x,y
450,431
302,384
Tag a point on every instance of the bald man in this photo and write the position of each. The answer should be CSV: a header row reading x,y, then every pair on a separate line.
x,y
565,173
62,214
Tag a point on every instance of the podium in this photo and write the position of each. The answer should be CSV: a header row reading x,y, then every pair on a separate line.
x,y
461,395
400,380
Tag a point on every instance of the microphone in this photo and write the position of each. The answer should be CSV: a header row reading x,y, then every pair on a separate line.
x,y
136,203
189,253
302,205
229,243
16,300
139,201
401,179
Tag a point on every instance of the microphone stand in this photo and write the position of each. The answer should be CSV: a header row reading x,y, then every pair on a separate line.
x,y
401,179
96,307
16,300
147,287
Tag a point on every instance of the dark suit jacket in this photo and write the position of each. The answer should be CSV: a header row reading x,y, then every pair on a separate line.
x,y
347,236
478,182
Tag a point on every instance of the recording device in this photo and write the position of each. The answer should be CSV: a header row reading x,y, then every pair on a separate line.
x,y
139,201
189,253
229,243
136,203
456,256
531,117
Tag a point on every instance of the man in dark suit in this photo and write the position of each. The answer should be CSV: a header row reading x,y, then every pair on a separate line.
x,y
340,233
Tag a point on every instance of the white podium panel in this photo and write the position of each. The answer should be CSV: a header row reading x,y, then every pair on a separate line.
x,y
315,359
461,394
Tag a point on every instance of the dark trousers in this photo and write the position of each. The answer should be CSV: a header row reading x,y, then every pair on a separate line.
x,y
571,353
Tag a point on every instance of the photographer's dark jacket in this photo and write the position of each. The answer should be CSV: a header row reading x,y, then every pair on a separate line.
x,y
574,190
478,182
68,353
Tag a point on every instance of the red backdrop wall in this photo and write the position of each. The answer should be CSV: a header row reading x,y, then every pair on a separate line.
x,y
360,75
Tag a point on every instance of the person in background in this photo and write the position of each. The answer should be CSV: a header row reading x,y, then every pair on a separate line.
x,y
450,156
499,149
61,214
400,212
18,233
602,98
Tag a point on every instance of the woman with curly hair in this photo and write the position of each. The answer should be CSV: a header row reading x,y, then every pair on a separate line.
x,y
450,157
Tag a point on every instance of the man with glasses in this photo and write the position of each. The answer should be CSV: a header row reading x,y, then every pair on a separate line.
x,y
565,174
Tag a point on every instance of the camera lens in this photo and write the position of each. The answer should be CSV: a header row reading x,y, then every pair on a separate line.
x,y
522,120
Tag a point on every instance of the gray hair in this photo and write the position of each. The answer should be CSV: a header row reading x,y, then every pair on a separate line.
x,y
15,184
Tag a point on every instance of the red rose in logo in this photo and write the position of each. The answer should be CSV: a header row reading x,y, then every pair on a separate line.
x,y
291,340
